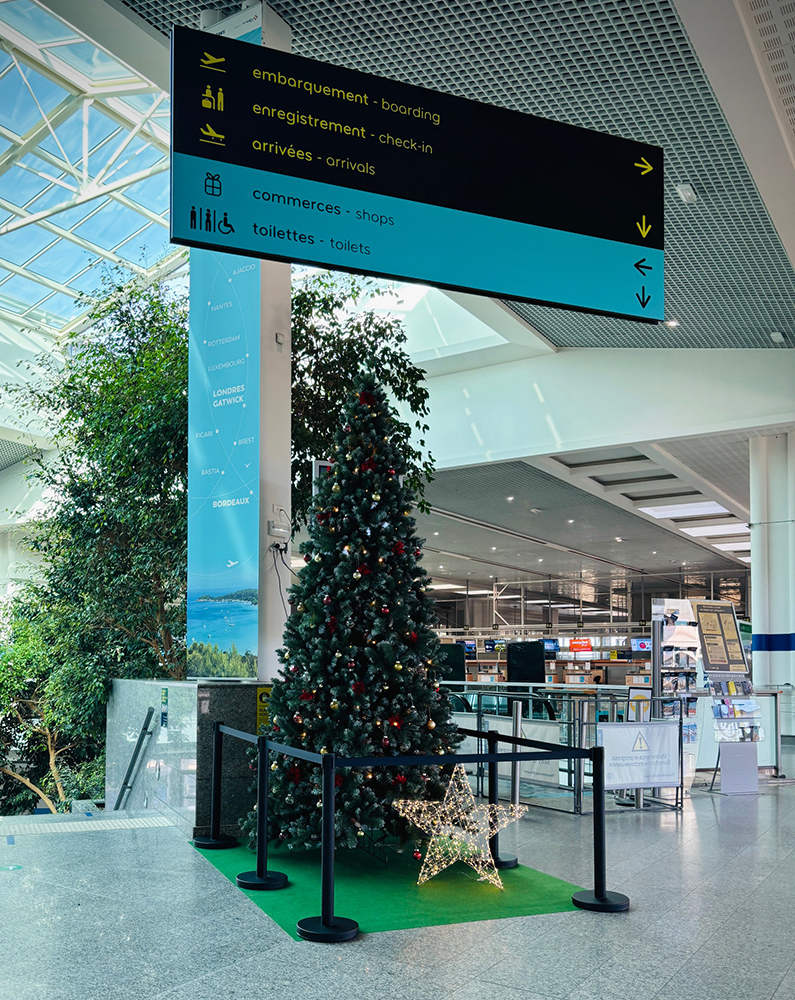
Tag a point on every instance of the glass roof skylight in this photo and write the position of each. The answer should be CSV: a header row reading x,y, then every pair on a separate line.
x,y
83,173
702,509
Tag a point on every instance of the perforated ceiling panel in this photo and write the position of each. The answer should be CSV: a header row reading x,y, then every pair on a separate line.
x,y
620,66
722,459
548,508
11,453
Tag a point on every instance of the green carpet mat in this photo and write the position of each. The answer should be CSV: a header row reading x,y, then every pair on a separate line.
x,y
387,897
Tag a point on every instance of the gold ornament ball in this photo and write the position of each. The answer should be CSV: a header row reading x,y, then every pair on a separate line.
x,y
431,724
317,557
376,496
335,488
349,456
323,750
357,575
398,666
337,655
274,766
301,607
360,833
334,705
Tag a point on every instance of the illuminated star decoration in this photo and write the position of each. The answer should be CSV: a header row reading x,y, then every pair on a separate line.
x,y
460,829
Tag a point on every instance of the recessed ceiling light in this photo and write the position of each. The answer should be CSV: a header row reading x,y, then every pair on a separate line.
x,y
436,532
733,546
535,510
510,499
441,567
777,337
672,322
540,560
491,576
654,552
619,538
571,520
686,193
494,548
717,530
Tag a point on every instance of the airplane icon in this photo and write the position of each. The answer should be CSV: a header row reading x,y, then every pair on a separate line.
x,y
212,136
230,563
208,62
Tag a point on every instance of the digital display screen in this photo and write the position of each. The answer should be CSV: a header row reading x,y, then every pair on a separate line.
x,y
640,645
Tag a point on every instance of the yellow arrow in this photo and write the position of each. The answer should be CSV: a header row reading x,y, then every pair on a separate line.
x,y
644,229
644,165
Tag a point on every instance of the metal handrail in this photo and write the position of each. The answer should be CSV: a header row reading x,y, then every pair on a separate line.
x,y
126,785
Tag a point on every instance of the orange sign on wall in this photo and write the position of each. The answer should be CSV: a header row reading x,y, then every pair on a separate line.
x,y
580,646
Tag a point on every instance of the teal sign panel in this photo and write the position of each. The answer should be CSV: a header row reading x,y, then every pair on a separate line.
x,y
286,158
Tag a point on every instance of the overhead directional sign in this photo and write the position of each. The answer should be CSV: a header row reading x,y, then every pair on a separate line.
x,y
278,156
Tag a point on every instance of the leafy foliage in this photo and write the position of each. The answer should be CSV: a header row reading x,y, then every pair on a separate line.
x,y
334,344
114,536
359,649
207,660
52,694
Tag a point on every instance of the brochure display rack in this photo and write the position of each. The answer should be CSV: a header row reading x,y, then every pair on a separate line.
x,y
677,659
736,716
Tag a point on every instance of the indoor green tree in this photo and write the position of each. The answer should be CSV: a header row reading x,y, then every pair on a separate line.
x,y
360,654
113,537
334,341
52,697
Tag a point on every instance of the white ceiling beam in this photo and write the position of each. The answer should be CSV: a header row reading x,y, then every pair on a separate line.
x,y
611,467
548,464
121,32
667,461
651,485
723,48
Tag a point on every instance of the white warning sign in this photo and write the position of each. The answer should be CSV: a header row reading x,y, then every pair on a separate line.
x,y
640,756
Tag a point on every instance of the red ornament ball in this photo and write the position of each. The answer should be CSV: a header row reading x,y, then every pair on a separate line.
x,y
385,741
351,664
417,553
307,558
327,599
391,472
358,687
385,609
417,854
398,548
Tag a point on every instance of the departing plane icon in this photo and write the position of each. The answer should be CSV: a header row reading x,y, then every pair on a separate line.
x,y
212,136
208,62
230,563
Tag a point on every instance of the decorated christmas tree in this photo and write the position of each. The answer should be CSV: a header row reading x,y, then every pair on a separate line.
x,y
361,673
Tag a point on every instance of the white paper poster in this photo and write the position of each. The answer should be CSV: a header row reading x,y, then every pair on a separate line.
x,y
640,755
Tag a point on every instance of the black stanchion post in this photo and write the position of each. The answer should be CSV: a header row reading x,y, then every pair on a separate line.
x,y
262,878
500,860
216,840
600,898
327,927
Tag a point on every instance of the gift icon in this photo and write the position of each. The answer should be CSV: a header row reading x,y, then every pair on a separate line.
x,y
212,184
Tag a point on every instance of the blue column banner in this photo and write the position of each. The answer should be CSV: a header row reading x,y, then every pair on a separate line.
x,y
223,465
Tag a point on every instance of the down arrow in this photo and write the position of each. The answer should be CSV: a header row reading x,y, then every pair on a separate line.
x,y
642,266
643,298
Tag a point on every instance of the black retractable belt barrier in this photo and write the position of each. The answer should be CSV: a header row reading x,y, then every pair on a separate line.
x,y
327,927
216,840
600,898
500,860
262,878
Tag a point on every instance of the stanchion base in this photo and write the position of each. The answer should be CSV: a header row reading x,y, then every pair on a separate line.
x,y
313,929
215,843
270,880
613,902
506,861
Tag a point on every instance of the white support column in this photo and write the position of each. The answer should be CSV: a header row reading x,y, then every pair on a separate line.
x,y
275,425
773,561
274,458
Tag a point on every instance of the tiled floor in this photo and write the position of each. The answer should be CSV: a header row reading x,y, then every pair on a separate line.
x,y
133,912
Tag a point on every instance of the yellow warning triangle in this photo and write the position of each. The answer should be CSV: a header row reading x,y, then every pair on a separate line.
x,y
640,743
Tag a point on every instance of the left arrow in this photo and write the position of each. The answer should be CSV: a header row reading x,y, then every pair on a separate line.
x,y
642,297
642,266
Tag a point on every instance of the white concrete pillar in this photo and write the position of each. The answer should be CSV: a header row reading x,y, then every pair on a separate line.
x,y
275,425
773,558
